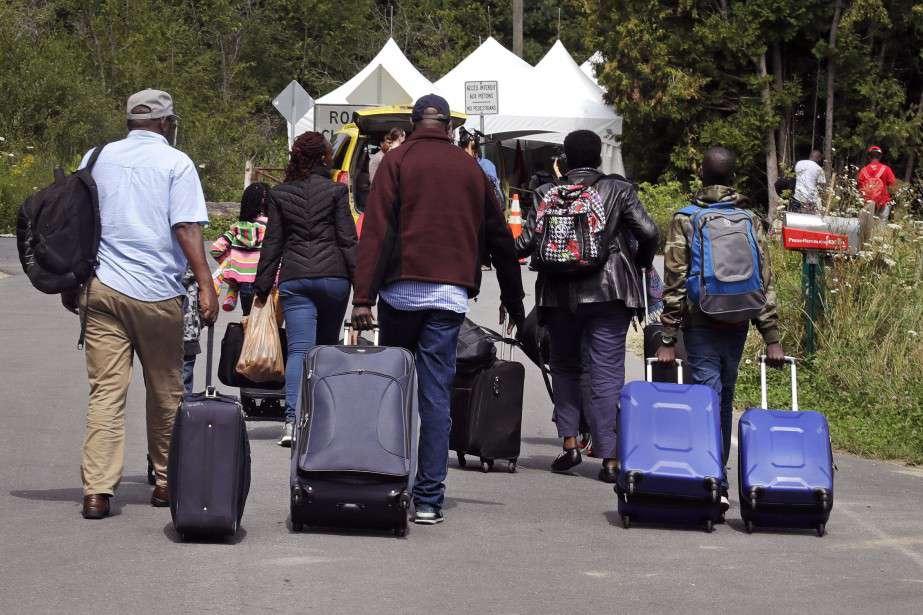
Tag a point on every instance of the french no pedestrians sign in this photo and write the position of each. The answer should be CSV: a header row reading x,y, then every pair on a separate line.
x,y
293,102
482,98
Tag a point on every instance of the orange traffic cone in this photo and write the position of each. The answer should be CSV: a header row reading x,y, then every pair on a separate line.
x,y
515,220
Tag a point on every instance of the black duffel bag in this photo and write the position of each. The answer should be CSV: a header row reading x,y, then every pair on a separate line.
x,y
476,348
231,345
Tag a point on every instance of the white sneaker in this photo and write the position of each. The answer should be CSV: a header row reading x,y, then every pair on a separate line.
x,y
725,504
288,434
428,517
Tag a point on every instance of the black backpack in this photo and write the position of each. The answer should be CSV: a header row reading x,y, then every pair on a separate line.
x,y
58,230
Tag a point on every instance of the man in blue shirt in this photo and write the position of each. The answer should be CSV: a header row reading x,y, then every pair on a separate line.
x,y
151,211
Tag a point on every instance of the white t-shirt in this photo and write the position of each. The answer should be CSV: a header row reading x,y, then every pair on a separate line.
x,y
808,176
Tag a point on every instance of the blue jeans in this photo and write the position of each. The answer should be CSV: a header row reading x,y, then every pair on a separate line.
x,y
432,335
595,333
314,309
245,297
714,360
188,371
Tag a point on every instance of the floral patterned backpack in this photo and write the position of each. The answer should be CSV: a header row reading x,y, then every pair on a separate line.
x,y
570,225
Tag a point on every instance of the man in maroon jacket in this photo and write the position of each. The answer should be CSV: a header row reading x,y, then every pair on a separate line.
x,y
431,219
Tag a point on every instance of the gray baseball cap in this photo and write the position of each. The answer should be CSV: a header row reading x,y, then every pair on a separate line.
x,y
159,102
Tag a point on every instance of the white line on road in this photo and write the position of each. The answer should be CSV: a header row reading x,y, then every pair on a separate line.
x,y
886,539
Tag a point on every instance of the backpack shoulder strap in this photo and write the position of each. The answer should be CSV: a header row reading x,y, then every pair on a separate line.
x,y
881,171
92,161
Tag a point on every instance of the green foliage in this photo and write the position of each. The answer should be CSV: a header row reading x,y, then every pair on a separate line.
x,y
686,75
218,226
662,201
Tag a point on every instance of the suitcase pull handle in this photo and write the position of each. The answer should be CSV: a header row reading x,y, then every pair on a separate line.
x,y
348,327
764,394
649,374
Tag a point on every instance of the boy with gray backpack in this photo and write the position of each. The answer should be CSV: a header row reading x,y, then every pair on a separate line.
x,y
717,281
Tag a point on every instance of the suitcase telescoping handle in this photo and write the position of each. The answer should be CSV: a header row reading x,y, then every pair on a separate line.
x,y
764,389
650,369
210,390
647,308
348,327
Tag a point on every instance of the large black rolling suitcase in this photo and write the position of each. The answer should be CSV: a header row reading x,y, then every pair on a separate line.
x,y
653,340
355,449
208,473
487,409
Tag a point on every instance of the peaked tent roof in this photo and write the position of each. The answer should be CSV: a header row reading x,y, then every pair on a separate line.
x,y
388,79
491,61
589,67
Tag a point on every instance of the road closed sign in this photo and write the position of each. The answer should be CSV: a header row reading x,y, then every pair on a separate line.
x,y
328,119
482,98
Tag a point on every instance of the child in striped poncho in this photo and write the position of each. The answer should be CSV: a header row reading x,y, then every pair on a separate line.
x,y
238,250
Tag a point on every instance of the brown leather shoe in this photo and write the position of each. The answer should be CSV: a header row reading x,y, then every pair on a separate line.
x,y
160,497
95,506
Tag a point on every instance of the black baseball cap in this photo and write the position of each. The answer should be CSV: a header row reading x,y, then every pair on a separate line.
x,y
433,101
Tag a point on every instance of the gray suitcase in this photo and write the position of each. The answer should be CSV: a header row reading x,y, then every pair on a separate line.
x,y
354,454
208,473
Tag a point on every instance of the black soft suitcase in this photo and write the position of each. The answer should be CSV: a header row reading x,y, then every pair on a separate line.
x,y
208,473
653,340
487,413
355,449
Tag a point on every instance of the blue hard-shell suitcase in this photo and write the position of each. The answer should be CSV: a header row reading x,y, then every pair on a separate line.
x,y
355,449
785,469
669,453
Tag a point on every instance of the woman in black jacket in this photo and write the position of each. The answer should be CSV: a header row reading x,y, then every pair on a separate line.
x,y
588,314
312,232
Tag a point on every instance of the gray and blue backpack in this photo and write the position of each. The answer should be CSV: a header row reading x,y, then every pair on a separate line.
x,y
725,273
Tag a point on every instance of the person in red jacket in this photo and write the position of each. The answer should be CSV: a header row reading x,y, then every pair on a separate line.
x,y
431,219
875,181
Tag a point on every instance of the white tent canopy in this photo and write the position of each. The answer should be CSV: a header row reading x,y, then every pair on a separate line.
x,y
576,97
389,79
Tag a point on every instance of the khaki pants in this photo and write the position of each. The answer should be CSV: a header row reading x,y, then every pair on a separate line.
x,y
117,328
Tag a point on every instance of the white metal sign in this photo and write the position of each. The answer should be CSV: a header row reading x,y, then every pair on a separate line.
x,y
328,119
482,98
293,102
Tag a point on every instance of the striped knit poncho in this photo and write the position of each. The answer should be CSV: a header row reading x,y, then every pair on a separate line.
x,y
239,250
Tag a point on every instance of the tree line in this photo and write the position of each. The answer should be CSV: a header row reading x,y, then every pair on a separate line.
x,y
769,78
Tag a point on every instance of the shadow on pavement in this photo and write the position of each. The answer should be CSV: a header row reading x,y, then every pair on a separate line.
x,y
345,531
612,516
173,536
74,495
270,431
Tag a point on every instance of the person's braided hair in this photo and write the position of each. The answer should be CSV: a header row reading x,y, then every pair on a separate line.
x,y
307,152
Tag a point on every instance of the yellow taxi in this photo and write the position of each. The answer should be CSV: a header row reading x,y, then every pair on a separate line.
x,y
355,143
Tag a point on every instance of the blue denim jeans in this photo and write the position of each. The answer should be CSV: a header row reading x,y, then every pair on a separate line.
x,y
314,309
714,360
245,298
595,334
188,372
432,336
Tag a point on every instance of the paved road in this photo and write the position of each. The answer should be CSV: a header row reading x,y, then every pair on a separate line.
x,y
532,542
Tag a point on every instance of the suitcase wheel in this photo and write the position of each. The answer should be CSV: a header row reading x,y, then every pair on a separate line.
x,y
821,529
150,471
511,467
749,526
461,460
297,527
709,526
626,521
487,465
400,532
